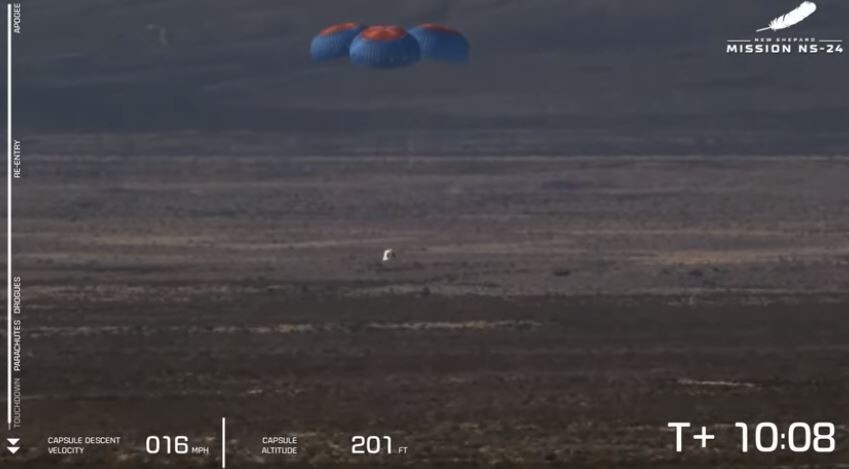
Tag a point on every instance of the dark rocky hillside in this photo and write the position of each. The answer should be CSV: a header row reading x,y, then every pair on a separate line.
x,y
601,76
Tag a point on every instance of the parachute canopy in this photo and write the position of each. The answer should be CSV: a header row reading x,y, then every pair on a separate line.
x,y
385,47
333,42
438,42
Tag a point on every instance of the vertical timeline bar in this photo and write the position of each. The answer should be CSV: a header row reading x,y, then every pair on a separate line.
x,y
9,215
223,442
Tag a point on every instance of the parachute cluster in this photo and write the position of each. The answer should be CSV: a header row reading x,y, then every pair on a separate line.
x,y
389,46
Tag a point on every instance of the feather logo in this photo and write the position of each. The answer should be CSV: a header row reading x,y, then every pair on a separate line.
x,y
804,10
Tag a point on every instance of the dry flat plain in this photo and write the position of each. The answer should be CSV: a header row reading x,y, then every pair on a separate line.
x,y
542,311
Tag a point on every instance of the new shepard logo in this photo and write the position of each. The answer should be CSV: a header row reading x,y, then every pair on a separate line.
x,y
764,43
798,15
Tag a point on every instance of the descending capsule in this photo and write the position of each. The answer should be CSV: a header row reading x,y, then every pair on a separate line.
x,y
334,41
385,47
440,42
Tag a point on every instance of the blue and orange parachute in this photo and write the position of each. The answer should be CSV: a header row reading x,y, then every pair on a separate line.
x,y
389,47
385,47
439,42
334,41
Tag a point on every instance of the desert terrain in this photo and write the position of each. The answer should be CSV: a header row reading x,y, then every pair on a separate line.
x,y
203,210
542,311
